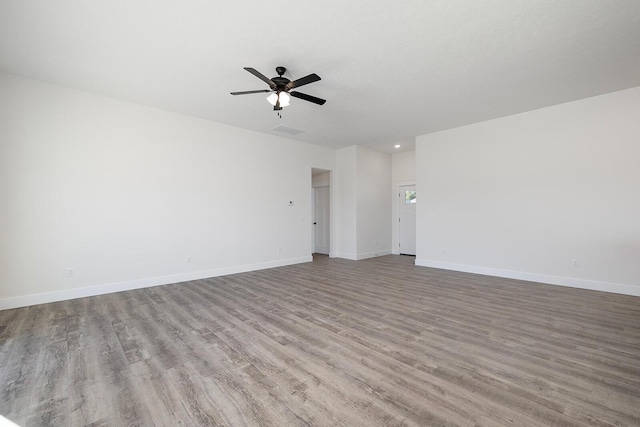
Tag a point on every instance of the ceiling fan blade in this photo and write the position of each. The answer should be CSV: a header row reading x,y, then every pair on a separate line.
x,y
262,77
308,98
246,92
303,81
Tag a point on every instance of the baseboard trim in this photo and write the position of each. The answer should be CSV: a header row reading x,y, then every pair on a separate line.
x,y
364,255
373,254
108,288
352,257
572,282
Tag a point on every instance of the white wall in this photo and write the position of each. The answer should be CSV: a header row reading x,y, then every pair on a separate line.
x,y
373,213
526,195
363,182
321,179
123,194
403,172
344,204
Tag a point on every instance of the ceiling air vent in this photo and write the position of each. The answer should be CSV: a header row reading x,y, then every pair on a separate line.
x,y
288,130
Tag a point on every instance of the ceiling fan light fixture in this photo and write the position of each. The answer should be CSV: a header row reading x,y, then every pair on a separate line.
x,y
284,98
273,98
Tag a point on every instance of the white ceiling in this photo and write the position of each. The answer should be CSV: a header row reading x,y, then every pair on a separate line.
x,y
390,70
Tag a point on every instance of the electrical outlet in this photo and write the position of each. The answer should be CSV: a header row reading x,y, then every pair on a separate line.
x,y
575,263
70,272
188,260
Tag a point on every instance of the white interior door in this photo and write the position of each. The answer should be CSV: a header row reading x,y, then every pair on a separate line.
x,y
407,219
321,220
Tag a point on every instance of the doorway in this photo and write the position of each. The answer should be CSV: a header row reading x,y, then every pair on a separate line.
x,y
321,209
407,219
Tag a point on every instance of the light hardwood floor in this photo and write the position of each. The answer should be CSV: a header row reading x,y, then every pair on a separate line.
x,y
377,342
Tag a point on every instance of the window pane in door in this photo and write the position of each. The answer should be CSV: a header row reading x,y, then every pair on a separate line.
x,y
410,196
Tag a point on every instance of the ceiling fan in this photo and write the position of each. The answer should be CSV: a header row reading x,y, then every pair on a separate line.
x,y
280,88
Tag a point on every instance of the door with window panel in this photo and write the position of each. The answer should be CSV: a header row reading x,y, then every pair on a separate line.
x,y
407,219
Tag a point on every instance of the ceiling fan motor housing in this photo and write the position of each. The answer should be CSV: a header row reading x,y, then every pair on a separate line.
x,y
280,81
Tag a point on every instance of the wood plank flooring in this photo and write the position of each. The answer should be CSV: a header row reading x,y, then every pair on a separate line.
x,y
377,342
